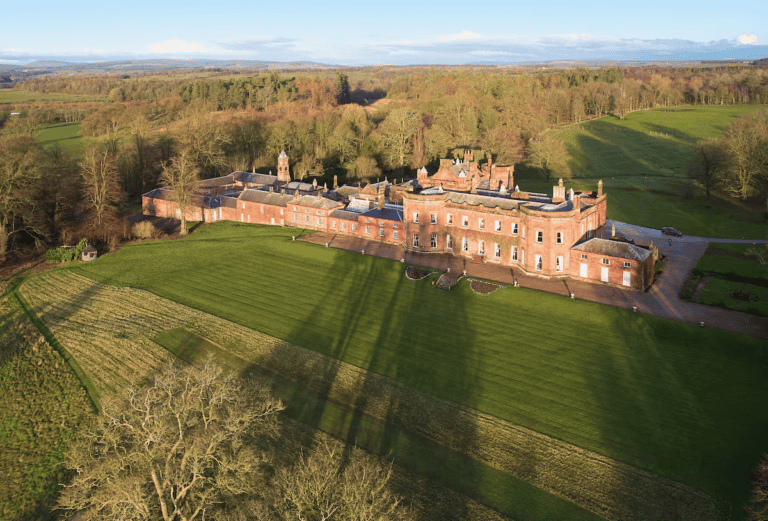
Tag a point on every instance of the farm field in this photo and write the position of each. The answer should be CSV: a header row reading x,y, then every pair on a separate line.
x,y
42,404
643,160
13,97
65,134
108,328
680,401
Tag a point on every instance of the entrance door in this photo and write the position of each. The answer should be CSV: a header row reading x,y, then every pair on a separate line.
x,y
583,270
604,274
272,221
627,278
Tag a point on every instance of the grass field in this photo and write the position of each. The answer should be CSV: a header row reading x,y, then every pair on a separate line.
x,y
642,161
115,331
680,401
13,97
730,278
65,134
42,404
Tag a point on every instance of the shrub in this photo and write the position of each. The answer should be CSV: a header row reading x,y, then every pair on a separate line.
x,y
143,230
65,254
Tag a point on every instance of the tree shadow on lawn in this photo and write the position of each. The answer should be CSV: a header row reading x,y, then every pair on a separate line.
x,y
390,326
632,152
683,407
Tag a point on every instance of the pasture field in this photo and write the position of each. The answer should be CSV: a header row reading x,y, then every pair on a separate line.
x,y
677,400
643,161
109,328
42,404
65,134
18,97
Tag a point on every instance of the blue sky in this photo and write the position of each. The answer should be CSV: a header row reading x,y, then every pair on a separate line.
x,y
394,32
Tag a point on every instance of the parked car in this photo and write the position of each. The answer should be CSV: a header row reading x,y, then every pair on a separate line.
x,y
667,230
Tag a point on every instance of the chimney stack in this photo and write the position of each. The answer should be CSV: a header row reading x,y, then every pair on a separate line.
x,y
613,229
335,182
381,202
370,205
314,184
560,182
600,188
253,168
473,185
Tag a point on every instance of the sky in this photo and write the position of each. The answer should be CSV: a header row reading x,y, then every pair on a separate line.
x,y
392,32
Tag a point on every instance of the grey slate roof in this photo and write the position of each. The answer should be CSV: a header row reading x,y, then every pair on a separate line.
x,y
217,181
389,214
258,179
317,202
262,197
482,200
359,205
302,187
347,190
343,214
622,250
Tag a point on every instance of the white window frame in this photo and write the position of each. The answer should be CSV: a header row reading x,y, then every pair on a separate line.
x,y
496,250
464,221
449,218
343,225
354,227
583,256
538,263
559,267
605,262
464,244
367,230
481,247
394,235
433,218
523,232
433,241
333,224
514,253
381,232
497,226
514,228
448,242
627,264
481,223
559,238
416,217
539,236
415,240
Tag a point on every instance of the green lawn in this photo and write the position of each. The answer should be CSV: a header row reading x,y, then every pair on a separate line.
x,y
643,160
738,264
681,401
65,134
18,97
497,489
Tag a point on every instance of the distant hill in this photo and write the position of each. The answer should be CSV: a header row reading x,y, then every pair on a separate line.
x,y
53,66
762,62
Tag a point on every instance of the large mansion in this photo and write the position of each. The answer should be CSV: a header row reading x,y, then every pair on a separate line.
x,y
462,209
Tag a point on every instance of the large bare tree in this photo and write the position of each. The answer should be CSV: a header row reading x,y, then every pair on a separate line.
x,y
745,141
329,485
396,134
180,175
101,185
178,449
19,161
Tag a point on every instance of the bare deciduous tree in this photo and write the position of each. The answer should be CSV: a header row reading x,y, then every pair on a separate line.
x,y
19,156
745,140
327,486
177,449
180,176
101,185
396,134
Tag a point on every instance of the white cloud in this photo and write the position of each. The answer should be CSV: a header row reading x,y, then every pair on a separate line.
x,y
747,39
176,46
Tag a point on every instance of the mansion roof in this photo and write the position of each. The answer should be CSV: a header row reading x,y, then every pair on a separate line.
x,y
622,250
262,197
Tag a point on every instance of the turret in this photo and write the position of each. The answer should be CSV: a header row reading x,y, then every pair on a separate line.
x,y
283,170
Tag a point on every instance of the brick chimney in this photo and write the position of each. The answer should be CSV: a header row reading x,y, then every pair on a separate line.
x,y
600,188
475,181
371,204
335,182
576,202
381,202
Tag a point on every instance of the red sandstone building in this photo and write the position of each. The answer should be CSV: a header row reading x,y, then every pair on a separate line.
x,y
462,209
